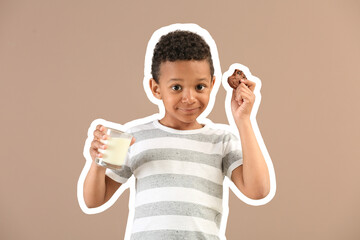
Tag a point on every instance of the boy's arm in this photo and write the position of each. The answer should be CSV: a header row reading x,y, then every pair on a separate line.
x,y
98,188
251,178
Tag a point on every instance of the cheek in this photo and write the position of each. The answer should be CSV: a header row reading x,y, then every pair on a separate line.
x,y
205,99
171,99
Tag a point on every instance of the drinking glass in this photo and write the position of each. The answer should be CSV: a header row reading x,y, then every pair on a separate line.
x,y
114,155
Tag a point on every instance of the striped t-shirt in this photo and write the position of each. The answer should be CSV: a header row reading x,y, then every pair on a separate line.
x,y
179,180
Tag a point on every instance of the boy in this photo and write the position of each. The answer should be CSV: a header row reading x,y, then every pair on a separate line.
x,y
180,164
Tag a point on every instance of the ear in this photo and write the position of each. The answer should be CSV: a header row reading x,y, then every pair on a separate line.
x,y
213,82
155,88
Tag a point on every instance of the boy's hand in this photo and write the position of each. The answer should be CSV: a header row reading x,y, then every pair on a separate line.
x,y
100,134
243,99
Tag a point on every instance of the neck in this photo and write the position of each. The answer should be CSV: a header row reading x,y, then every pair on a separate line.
x,y
183,126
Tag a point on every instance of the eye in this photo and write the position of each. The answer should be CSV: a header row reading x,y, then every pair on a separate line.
x,y
176,87
200,87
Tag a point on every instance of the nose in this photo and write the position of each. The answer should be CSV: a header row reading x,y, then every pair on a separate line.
x,y
188,97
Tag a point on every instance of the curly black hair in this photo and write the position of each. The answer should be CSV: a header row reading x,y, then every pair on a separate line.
x,y
180,45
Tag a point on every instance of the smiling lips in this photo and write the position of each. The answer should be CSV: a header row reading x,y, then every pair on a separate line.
x,y
189,110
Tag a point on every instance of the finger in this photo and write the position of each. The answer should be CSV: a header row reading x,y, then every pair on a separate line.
x,y
94,153
245,88
101,128
98,145
233,94
251,85
238,95
249,96
98,127
234,102
246,97
98,134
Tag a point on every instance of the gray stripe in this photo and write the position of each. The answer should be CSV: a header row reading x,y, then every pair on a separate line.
x,y
143,157
178,208
124,172
230,158
230,136
158,133
180,180
172,235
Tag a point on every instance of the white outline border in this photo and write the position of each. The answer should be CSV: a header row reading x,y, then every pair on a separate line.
x,y
202,119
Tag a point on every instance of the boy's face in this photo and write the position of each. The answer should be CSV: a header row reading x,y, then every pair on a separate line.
x,y
184,87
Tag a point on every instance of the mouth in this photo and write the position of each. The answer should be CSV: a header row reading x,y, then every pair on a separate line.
x,y
189,110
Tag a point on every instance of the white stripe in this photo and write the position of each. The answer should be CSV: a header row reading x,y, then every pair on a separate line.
x,y
209,131
178,194
178,167
114,176
150,126
169,142
218,132
186,223
232,145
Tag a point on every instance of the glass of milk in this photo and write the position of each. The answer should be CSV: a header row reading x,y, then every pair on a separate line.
x,y
114,155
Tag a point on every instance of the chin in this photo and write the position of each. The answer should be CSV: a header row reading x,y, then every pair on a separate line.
x,y
189,119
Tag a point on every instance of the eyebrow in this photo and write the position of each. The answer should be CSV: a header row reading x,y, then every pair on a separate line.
x,y
180,79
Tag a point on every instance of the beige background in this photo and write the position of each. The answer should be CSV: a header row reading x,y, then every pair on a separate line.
x,y
65,63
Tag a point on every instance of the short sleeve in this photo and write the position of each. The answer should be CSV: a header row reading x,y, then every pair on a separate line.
x,y
123,174
232,154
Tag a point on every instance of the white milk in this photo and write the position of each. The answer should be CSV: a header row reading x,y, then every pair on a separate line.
x,y
116,150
